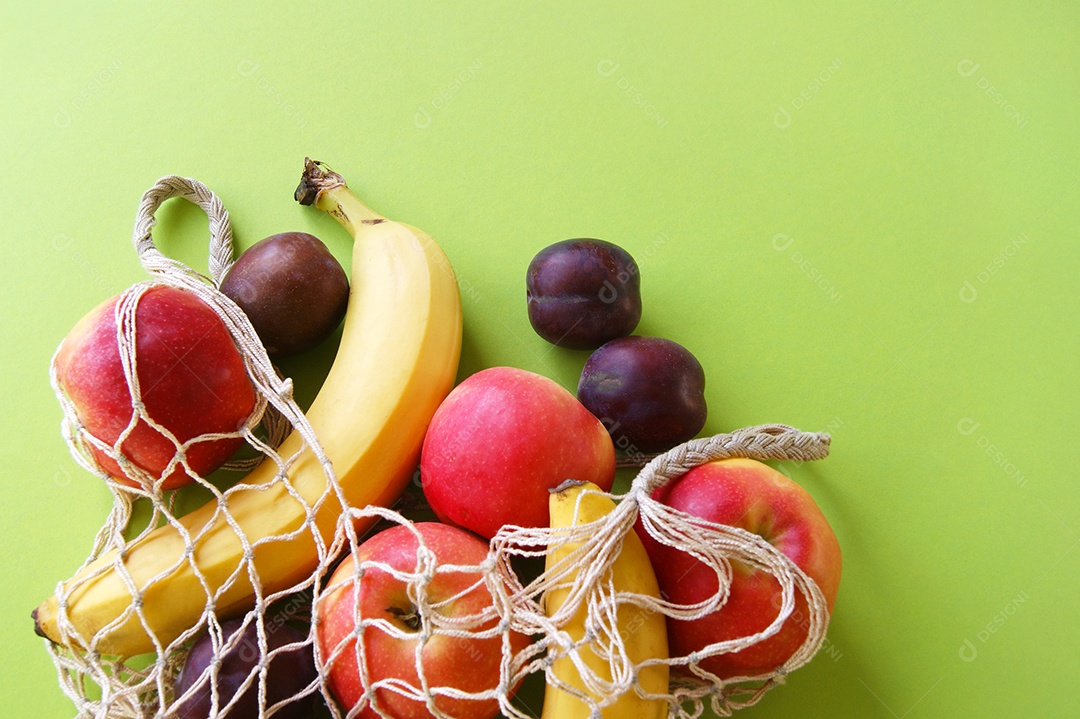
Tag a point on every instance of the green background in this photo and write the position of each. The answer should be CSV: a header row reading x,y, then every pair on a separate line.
x,y
860,216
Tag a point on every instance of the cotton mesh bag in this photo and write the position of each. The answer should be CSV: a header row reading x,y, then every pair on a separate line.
x,y
128,668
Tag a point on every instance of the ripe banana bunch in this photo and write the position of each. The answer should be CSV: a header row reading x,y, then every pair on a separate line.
x,y
397,361
644,633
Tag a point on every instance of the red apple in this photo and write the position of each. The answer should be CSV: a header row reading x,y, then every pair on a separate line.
x,y
500,441
470,664
752,496
191,376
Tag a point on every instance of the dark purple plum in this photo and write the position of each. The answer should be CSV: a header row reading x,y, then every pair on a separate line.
x,y
289,673
648,392
582,293
292,289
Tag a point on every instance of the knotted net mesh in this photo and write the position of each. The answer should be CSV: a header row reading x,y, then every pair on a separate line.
x,y
129,666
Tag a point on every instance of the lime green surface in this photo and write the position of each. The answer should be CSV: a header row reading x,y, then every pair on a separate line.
x,y
861,216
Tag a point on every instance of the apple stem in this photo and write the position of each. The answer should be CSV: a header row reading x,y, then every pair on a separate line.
x,y
567,484
408,617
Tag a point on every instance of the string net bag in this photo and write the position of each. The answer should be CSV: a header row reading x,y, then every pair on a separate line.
x,y
103,684
508,627
692,687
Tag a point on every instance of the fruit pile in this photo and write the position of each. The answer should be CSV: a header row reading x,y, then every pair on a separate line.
x,y
708,581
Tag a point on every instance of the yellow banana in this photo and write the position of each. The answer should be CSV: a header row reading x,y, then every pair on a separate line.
x,y
644,633
397,360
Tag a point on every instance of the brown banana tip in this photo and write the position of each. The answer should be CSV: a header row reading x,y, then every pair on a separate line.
x,y
37,625
566,484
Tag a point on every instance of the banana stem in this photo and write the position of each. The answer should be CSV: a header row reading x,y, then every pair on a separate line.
x,y
317,178
327,190
565,485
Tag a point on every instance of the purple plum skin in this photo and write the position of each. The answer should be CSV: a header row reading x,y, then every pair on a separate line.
x,y
582,293
648,392
289,673
293,290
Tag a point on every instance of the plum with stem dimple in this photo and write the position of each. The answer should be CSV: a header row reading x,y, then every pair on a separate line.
x,y
292,289
648,392
583,292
